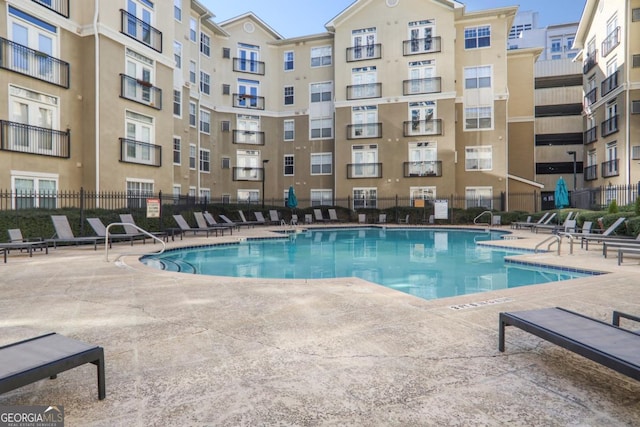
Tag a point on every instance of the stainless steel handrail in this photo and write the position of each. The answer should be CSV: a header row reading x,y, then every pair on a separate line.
x,y
485,212
143,231
556,239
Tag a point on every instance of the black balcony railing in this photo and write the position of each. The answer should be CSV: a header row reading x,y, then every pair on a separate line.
x,y
421,86
29,139
244,65
248,137
610,168
364,170
140,31
591,97
591,135
360,53
364,91
248,101
140,91
364,130
609,84
610,43
591,173
248,174
610,126
142,153
61,7
425,45
422,127
421,169
24,60
590,62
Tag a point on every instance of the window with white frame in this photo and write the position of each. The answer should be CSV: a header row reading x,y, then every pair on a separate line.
x,y
420,34
365,160
422,77
422,115
34,190
321,197
248,196
249,56
476,37
288,95
478,158
192,156
34,109
423,158
192,72
140,133
363,41
225,163
205,121
205,194
321,110
364,121
478,118
138,190
205,83
177,10
556,44
177,54
321,163
249,128
247,162
140,69
288,60
321,56
289,130
192,114
177,103
177,190
321,92
364,82
248,91
365,198
476,197
477,77
205,160
177,150
205,44
422,193
288,165
193,29
192,191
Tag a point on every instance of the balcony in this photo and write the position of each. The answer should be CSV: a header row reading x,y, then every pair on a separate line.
x,y
591,135
610,43
591,97
418,46
421,86
422,127
591,173
423,169
30,139
140,91
610,168
609,84
364,91
243,65
142,153
61,7
364,130
248,174
243,100
361,53
140,31
29,62
590,62
610,126
364,170
248,137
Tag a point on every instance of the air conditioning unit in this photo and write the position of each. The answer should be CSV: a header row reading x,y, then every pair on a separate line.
x,y
635,107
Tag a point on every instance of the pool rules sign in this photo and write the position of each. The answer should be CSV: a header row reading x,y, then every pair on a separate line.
x,y
441,209
153,208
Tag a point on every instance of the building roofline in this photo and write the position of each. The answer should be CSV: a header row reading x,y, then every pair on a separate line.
x,y
525,181
307,38
257,19
585,23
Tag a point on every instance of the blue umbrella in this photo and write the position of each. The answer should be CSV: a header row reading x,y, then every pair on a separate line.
x,y
561,194
292,201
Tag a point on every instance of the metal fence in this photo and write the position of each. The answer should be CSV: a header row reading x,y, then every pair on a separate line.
x,y
601,197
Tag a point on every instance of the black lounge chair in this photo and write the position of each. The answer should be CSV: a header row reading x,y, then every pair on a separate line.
x,y
185,227
31,360
101,231
17,242
64,234
604,343
129,225
202,224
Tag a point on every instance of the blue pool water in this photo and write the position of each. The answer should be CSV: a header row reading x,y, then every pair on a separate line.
x,y
429,263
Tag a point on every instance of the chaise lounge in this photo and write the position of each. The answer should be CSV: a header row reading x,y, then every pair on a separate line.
x,y
64,234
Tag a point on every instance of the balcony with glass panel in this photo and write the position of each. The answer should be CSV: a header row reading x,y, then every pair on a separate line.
x,y
364,170
610,126
609,84
244,100
591,135
33,63
139,152
140,31
248,174
250,137
422,86
591,97
61,7
422,127
244,65
361,53
610,43
364,130
364,91
431,168
590,62
140,91
591,173
610,168
25,138
424,45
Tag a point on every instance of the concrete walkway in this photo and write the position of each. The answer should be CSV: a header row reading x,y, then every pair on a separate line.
x,y
186,350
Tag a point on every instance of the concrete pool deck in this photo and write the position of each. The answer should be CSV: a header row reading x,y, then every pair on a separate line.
x,y
198,350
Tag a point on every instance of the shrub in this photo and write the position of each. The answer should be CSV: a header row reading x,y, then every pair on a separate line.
x,y
613,207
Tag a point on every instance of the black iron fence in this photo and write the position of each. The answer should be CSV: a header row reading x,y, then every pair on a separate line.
x,y
601,197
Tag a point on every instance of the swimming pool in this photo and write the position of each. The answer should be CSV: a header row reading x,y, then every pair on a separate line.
x,y
429,263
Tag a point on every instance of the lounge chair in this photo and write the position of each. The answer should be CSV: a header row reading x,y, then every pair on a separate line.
x,y
101,231
545,223
333,216
274,217
382,218
185,227
243,220
64,234
260,220
406,220
496,220
606,235
17,242
362,218
294,219
227,221
129,225
211,222
554,228
516,224
203,225
317,215
529,224
608,344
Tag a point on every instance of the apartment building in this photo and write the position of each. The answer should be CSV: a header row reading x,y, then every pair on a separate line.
x,y
609,39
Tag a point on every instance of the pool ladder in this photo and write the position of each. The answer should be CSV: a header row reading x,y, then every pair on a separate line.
x,y
475,220
106,241
557,238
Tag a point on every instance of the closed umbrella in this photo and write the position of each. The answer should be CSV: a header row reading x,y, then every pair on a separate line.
x,y
292,201
561,194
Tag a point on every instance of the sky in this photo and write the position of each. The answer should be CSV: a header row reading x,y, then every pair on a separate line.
x,y
293,18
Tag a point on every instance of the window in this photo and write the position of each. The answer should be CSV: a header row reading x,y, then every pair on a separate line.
x,y
321,197
140,134
192,156
205,121
321,56
364,198
363,43
364,121
177,10
138,191
635,107
34,190
321,92
635,14
247,162
248,93
477,77
249,57
177,189
192,72
193,29
192,114
205,160
226,163
478,118
34,109
321,128
288,165
478,158
479,197
205,44
248,196
288,60
422,193
636,61
289,130
476,37
225,125
556,45
321,110
321,163
422,115
364,83
205,83
423,158
421,35
365,161
177,103
205,194
176,150
288,95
